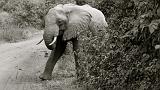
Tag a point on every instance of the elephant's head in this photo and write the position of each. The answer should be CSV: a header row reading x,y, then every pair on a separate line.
x,y
67,20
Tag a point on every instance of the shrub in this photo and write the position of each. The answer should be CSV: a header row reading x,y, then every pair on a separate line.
x,y
124,58
26,12
9,31
5,18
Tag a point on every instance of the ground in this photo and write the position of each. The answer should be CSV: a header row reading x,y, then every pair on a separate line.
x,y
21,64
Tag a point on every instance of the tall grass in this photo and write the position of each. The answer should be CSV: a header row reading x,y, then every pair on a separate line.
x,y
10,32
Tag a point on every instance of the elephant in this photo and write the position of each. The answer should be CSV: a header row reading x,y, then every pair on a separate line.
x,y
64,23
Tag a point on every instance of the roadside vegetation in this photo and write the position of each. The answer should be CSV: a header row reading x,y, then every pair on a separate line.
x,y
126,55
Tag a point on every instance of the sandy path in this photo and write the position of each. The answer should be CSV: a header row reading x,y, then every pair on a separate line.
x,y
21,64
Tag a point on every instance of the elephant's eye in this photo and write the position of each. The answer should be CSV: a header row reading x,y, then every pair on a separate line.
x,y
60,22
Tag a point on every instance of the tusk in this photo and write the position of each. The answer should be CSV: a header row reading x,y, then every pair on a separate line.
x,y
55,38
39,42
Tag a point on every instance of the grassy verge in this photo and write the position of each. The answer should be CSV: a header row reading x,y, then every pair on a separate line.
x,y
13,34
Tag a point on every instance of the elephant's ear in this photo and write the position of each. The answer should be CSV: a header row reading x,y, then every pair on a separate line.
x,y
78,21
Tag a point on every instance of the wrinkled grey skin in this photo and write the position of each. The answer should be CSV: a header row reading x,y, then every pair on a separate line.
x,y
66,22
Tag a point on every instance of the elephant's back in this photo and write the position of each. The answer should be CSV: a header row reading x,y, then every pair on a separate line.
x,y
98,21
97,15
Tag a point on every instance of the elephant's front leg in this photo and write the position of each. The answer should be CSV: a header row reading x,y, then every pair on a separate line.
x,y
55,55
76,50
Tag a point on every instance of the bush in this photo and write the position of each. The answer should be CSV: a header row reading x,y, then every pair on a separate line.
x,y
125,57
25,12
9,31
5,18
2,3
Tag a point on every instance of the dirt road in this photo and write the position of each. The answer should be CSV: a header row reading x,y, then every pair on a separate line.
x,y
21,64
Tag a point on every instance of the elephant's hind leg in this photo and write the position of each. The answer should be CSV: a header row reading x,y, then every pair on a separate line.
x,y
55,55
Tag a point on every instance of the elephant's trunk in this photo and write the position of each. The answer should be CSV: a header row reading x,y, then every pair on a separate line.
x,y
49,35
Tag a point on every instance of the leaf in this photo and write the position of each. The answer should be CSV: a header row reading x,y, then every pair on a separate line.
x,y
157,47
153,25
131,33
149,14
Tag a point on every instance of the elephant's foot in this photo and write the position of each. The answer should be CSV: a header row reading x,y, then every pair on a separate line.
x,y
45,76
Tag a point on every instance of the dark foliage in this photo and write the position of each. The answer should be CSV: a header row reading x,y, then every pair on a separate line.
x,y
80,2
125,56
